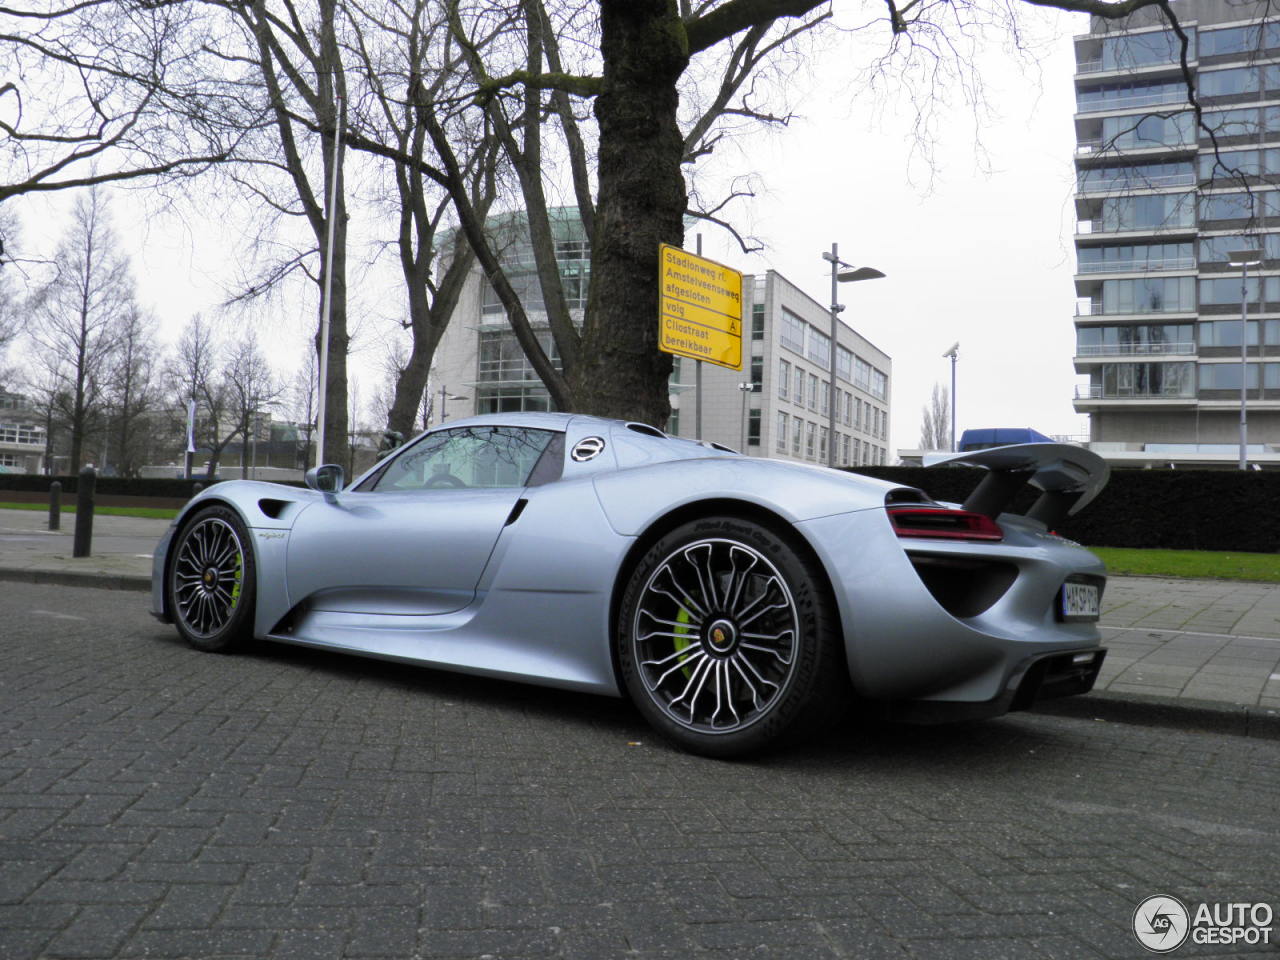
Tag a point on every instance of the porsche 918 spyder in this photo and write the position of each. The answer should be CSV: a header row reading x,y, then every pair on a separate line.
x,y
738,601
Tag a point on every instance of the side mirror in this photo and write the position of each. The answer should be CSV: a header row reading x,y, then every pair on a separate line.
x,y
326,478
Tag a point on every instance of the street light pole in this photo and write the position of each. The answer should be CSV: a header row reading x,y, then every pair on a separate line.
x,y
954,354
851,275
745,388
1244,259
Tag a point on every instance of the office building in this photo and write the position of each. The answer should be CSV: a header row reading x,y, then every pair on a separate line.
x,y
1162,205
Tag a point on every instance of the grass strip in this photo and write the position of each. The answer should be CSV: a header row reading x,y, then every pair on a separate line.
x,y
1195,564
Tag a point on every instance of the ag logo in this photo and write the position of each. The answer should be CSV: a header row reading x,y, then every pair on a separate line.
x,y
1161,923
588,448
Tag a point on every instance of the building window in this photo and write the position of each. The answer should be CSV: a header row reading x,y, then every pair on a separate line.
x,y
797,430
757,321
1226,376
511,399
844,363
501,358
757,373
823,438
782,431
21,433
673,422
810,439
791,334
813,392
1226,333
8,460
784,379
848,409
879,385
753,427
844,449
819,348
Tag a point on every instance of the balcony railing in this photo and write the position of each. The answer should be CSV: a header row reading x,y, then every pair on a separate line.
x,y
1099,226
1097,391
1138,183
1095,308
1089,147
1180,349
1137,266
1135,100
1098,66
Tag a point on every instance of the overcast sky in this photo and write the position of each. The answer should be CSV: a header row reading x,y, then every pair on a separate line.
x,y
976,247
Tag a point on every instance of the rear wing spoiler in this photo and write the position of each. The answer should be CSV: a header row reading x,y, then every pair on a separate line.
x,y
1068,476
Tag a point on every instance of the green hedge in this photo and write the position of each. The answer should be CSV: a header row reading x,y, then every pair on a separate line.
x,y
107,486
1169,509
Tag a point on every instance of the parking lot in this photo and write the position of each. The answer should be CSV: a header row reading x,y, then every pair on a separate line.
x,y
159,802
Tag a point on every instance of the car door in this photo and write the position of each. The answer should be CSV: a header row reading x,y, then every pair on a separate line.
x,y
415,537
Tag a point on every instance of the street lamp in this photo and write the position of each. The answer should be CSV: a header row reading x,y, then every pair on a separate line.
x,y
1244,259
954,354
838,276
446,396
745,388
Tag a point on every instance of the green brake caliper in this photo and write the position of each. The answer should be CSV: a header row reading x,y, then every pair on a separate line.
x,y
235,591
681,638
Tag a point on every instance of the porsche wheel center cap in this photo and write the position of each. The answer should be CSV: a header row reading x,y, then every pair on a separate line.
x,y
722,637
210,578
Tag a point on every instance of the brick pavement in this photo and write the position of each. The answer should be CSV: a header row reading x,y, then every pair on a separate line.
x,y
159,802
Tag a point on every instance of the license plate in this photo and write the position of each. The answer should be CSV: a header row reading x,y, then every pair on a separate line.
x,y
1079,601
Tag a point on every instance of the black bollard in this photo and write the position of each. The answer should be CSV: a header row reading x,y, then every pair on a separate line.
x,y
55,506
84,512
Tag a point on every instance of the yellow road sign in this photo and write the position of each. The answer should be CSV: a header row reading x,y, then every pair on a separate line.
x,y
700,311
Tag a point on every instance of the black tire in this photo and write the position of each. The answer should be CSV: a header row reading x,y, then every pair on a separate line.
x,y
211,581
775,670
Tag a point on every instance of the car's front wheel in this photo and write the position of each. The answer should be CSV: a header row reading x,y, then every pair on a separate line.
x,y
727,639
211,580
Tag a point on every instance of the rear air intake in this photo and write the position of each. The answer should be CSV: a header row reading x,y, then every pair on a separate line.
x,y
938,523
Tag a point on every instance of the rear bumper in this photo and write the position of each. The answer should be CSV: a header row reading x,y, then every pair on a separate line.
x,y
1042,678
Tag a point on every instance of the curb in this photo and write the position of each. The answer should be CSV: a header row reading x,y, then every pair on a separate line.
x,y
1235,719
79,578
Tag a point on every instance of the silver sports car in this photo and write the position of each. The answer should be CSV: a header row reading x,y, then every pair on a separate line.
x,y
737,601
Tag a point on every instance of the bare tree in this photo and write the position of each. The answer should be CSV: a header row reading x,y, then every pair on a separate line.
x,y
935,423
87,95
78,315
195,375
250,386
300,403
11,312
132,391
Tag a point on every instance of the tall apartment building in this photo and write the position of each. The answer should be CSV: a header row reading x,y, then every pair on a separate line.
x,y
480,368
1162,203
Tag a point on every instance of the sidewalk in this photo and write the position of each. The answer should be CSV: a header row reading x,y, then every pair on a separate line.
x,y
1203,654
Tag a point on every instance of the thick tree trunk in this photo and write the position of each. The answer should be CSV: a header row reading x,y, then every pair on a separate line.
x,y
642,201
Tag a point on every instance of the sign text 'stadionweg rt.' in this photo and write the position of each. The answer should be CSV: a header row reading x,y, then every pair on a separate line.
x,y
700,310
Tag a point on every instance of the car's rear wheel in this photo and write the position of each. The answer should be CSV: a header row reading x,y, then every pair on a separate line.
x,y
727,639
211,581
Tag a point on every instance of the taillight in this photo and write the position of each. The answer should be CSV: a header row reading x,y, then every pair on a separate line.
x,y
938,523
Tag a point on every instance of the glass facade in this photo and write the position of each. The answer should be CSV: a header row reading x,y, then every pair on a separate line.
x,y
1137,175
1149,295
1125,380
1148,212
1148,338
1141,256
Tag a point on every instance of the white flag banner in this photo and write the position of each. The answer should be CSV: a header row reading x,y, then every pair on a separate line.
x,y
191,426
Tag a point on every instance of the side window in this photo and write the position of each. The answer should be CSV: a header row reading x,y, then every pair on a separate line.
x,y
468,457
